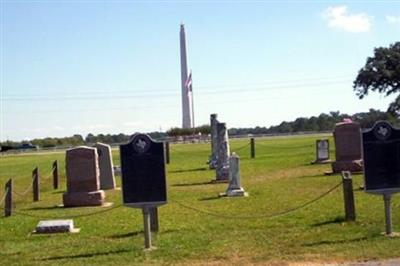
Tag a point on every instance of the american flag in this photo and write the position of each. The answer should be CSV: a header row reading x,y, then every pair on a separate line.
x,y
188,83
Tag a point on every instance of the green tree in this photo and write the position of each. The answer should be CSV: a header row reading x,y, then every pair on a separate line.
x,y
381,73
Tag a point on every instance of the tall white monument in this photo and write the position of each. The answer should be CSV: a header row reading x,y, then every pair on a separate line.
x,y
186,80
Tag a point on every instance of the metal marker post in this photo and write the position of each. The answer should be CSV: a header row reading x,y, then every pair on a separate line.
x,y
167,152
36,188
8,199
348,195
388,214
252,148
154,219
55,174
147,231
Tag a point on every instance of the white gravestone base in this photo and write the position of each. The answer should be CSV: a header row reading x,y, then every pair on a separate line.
x,y
56,226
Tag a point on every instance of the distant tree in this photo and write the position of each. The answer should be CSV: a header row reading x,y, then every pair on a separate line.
x,y
90,138
381,73
176,131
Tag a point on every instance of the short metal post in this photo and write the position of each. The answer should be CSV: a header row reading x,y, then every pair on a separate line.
x,y
154,219
348,195
147,231
36,188
55,174
8,199
388,214
167,152
252,148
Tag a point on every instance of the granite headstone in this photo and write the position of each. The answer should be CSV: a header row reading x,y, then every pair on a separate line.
x,y
83,185
347,137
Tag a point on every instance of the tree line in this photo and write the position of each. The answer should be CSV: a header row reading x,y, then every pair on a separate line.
x,y
323,122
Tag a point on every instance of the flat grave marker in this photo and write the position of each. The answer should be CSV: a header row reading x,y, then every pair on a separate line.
x,y
56,226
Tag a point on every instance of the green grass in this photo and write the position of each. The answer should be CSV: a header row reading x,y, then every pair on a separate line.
x,y
279,178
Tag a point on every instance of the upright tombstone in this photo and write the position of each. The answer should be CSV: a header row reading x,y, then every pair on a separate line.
x,y
222,167
381,154
83,184
347,137
143,177
322,151
107,179
212,162
234,189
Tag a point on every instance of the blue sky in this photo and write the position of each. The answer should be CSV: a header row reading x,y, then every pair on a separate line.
x,y
113,66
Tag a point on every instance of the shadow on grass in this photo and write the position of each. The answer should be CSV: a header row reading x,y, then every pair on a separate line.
x,y
44,208
192,184
88,255
330,242
312,176
210,198
336,220
189,170
136,233
130,234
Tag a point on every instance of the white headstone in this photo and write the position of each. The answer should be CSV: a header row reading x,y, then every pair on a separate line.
x,y
235,189
107,179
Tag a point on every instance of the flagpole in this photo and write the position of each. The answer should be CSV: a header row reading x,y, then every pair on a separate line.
x,y
192,99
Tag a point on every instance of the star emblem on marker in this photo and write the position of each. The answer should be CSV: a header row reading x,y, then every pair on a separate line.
x,y
382,131
141,144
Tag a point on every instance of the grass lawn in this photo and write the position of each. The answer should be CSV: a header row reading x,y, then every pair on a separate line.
x,y
238,231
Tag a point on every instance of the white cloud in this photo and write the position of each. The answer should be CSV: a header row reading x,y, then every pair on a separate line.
x,y
339,18
393,19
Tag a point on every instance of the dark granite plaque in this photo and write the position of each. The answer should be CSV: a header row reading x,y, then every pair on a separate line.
x,y
143,172
381,152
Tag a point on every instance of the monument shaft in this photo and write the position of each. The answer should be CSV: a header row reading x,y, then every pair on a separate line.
x,y
187,101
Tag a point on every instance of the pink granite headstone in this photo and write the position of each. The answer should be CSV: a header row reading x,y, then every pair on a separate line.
x,y
83,185
347,137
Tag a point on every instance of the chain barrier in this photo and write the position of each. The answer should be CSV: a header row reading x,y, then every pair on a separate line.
x,y
65,216
240,148
278,147
22,194
267,216
4,196
205,212
48,176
